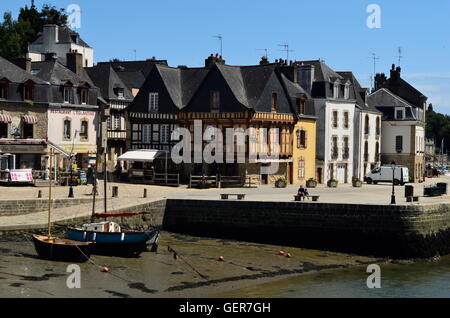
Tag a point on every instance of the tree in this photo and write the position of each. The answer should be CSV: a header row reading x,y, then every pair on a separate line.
x,y
15,35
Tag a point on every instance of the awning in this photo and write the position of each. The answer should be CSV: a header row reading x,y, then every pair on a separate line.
x,y
142,155
5,119
28,119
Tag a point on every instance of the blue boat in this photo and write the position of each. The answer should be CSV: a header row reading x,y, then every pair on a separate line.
x,y
125,243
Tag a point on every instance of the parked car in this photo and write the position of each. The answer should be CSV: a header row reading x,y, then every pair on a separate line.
x,y
384,174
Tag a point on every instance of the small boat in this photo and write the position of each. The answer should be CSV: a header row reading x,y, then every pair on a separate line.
x,y
56,249
111,240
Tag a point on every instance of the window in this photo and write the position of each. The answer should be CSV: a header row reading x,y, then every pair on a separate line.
x,y
3,90
346,120
346,154
164,134
28,131
335,119
67,129
67,95
301,106
153,102
117,122
347,92
84,94
399,113
378,126
336,91
366,151
366,125
334,148
301,139
3,130
28,91
120,93
146,134
84,129
215,101
274,102
399,144
301,168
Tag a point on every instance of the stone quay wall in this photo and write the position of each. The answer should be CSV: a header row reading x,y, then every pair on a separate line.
x,y
20,207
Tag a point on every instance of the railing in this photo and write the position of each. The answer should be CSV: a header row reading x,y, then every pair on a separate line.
x,y
117,134
168,179
195,181
232,181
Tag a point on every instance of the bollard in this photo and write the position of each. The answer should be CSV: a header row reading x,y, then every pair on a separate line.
x,y
115,192
40,194
145,193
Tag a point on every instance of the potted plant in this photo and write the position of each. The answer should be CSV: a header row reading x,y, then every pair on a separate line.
x,y
311,183
204,184
333,183
281,183
357,183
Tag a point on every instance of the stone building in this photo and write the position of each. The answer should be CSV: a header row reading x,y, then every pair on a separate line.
x,y
403,122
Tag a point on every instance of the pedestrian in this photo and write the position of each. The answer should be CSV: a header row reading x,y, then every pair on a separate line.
x,y
301,193
118,171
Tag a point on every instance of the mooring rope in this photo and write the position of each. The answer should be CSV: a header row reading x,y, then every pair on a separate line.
x,y
175,254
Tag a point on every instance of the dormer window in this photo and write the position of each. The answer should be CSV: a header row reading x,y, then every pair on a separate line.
x,y
274,102
301,106
336,91
28,91
120,93
347,92
84,96
4,85
399,113
215,101
67,94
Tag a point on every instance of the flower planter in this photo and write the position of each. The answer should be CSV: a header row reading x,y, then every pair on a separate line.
x,y
311,184
280,184
357,184
332,184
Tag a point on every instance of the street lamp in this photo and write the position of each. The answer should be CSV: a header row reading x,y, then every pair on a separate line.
x,y
393,165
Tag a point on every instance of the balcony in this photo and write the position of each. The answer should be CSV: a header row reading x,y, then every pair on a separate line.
x,y
117,134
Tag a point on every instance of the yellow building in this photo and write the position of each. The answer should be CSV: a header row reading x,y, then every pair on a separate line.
x,y
304,150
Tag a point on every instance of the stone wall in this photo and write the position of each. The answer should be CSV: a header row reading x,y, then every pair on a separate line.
x,y
18,207
398,231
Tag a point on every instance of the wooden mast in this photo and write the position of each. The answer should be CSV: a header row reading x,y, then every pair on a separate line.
x,y
50,194
105,173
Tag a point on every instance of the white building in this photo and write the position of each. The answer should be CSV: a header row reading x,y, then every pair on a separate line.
x,y
60,41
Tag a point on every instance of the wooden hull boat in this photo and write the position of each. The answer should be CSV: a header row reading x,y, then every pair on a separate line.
x,y
124,243
57,249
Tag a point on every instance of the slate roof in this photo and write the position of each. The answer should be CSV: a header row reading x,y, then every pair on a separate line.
x,y
105,78
385,101
322,72
57,74
16,74
358,92
64,36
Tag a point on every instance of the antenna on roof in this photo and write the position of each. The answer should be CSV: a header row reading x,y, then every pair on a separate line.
x,y
266,51
32,3
375,58
135,54
220,37
400,56
286,49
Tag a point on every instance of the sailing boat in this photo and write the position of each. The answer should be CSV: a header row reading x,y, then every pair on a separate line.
x,y
53,248
110,239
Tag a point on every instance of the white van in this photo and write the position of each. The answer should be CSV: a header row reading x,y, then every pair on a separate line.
x,y
384,174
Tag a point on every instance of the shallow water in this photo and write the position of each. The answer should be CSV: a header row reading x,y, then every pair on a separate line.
x,y
421,279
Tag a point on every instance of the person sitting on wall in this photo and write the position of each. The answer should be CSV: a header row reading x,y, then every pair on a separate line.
x,y
301,193
306,193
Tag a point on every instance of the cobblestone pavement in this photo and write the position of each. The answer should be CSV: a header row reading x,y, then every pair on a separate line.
x,y
132,194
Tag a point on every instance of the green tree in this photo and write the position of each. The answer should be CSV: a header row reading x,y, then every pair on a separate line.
x,y
15,35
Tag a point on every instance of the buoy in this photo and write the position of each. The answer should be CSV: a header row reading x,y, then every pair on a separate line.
x,y
221,259
288,255
281,253
105,269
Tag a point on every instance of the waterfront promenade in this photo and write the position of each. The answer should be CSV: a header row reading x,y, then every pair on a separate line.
x,y
131,195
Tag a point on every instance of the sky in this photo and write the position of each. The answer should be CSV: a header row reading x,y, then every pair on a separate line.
x,y
182,32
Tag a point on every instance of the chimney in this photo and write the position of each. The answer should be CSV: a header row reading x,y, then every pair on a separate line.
x,y
395,72
75,62
211,60
50,34
306,76
264,61
23,63
380,79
